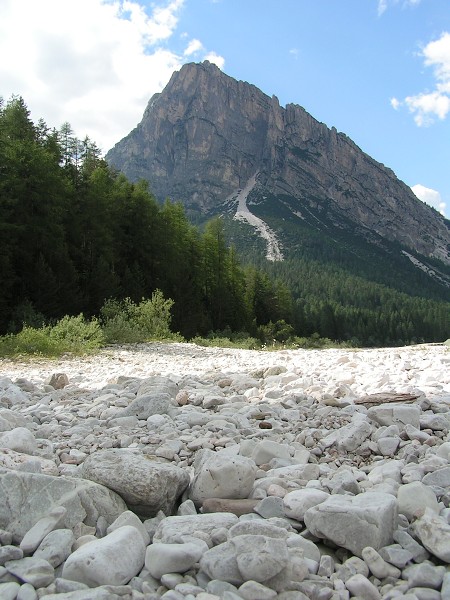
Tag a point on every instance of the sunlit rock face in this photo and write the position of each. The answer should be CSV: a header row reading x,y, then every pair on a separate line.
x,y
206,135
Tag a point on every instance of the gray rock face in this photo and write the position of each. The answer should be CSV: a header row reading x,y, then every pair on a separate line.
x,y
146,485
227,130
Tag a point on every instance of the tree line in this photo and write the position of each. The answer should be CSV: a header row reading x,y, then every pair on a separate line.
x,y
76,233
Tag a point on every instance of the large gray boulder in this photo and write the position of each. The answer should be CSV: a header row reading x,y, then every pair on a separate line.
x,y
354,522
113,559
25,498
147,486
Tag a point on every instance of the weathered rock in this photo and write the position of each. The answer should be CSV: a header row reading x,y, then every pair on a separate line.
x,y
19,439
44,526
414,497
368,519
296,503
32,570
173,529
84,500
171,558
146,486
218,475
434,534
237,507
114,559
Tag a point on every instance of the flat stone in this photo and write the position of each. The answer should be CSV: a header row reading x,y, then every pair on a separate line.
x,y
56,546
32,570
238,507
440,478
44,526
265,450
360,586
297,502
174,528
397,414
9,552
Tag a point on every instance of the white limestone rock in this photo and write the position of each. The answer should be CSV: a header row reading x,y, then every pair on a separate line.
x,y
434,534
297,502
414,497
43,527
113,559
27,497
397,414
171,558
368,519
173,529
56,546
218,475
147,486
19,439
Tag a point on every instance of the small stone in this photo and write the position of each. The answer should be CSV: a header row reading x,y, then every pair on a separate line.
x,y
171,558
378,566
58,381
32,570
43,527
252,590
359,586
237,507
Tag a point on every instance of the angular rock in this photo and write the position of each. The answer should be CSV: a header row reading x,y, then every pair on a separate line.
x,y
218,475
112,560
398,414
146,486
173,529
297,502
44,526
368,519
56,546
237,507
32,570
27,497
434,534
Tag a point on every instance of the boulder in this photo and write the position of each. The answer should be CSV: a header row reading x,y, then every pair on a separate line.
x,y
27,497
113,559
354,522
147,486
219,475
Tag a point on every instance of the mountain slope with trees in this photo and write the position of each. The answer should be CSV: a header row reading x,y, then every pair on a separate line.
x,y
76,233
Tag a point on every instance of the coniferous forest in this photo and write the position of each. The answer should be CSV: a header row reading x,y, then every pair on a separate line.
x,y
75,233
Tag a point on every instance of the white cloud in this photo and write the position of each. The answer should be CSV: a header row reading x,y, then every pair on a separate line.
x,y
383,5
431,197
427,106
395,103
194,46
216,59
94,63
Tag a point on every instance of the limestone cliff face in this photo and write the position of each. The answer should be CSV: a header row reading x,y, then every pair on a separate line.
x,y
206,135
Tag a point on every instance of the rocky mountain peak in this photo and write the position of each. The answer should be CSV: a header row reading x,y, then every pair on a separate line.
x,y
206,136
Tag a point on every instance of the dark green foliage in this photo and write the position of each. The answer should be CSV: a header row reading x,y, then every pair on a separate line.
x,y
75,234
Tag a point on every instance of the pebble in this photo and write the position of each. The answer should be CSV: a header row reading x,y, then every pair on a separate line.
x,y
179,472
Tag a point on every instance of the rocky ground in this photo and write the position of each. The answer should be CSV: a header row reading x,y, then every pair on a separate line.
x,y
180,472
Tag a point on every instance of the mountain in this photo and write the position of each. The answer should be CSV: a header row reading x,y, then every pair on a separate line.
x,y
222,146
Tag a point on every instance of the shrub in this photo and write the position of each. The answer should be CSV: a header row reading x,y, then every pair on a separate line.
x,y
77,335
126,322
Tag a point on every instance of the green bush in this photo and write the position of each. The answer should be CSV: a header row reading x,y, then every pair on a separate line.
x,y
77,335
125,322
70,334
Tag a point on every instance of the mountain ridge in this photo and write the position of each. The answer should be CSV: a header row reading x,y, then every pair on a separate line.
x,y
206,136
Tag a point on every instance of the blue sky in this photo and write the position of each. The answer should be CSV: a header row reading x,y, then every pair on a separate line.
x,y
377,70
